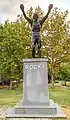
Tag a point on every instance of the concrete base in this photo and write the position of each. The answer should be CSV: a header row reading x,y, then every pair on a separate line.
x,y
51,111
36,103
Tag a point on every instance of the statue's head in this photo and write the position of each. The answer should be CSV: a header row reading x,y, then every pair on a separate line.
x,y
35,16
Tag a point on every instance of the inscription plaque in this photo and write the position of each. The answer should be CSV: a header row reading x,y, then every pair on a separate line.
x,y
36,82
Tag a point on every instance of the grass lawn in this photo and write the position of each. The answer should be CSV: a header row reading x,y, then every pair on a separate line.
x,y
60,95
11,97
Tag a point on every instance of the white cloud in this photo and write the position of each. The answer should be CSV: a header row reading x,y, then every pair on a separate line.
x,y
11,8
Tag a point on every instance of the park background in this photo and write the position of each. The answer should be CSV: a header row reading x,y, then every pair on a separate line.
x,y
15,45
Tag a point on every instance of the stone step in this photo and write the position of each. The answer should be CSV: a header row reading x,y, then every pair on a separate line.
x,y
36,110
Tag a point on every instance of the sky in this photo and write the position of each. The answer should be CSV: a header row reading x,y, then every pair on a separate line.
x,y
9,9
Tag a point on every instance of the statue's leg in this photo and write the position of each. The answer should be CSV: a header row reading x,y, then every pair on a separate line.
x,y
33,50
39,47
33,47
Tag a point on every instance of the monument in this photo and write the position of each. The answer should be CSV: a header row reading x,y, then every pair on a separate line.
x,y
36,26
35,102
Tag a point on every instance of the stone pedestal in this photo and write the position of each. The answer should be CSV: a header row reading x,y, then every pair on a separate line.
x,y
35,82
35,102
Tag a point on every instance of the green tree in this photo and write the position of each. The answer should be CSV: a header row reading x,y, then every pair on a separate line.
x,y
14,39
56,45
65,72
15,43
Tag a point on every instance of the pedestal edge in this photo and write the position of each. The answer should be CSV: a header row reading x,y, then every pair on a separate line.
x,y
35,60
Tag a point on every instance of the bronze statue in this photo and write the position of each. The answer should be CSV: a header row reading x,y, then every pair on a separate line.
x,y
36,25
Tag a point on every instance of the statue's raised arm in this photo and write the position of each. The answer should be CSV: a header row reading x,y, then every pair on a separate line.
x,y
46,16
36,26
27,18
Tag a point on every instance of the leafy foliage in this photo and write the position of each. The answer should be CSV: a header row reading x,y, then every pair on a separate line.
x,y
15,43
56,40
65,72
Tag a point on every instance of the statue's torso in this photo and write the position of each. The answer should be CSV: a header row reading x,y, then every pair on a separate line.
x,y
36,26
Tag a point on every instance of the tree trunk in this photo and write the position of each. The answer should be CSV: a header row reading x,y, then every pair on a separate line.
x,y
0,78
17,83
10,87
52,76
65,83
2,83
52,80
